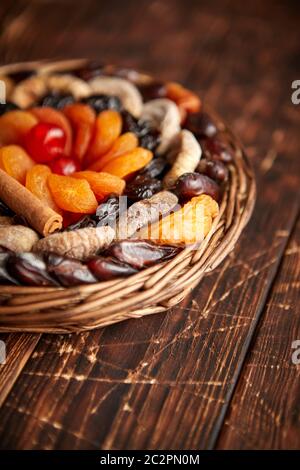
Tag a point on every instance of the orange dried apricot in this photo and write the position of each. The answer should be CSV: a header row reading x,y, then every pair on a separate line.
x,y
14,125
37,183
15,161
108,127
129,162
186,100
82,118
125,143
102,184
55,117
72,194
188,225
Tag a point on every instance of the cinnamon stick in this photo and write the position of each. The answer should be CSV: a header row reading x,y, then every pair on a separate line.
x,y
19,199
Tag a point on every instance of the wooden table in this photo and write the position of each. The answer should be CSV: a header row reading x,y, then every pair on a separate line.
x,y
217,370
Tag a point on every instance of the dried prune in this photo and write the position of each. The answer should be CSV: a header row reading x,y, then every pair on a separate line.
x,y
102,102
89,71
217,150
5,210
142,187
140,253
155,168
151,140
153,90
30,269
108,211
214,169
83,222
6,107
131,124
4,275
109,268
201,125
68,271
56,100
190,185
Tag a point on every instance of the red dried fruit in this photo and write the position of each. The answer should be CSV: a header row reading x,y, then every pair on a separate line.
x,y
44,142
64,166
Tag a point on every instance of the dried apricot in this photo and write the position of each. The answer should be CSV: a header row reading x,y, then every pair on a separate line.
x,y
14,125
188,225
129,162
102,184
186,100
108,127
72,194
37,183
82,118
15,161
125,143
55,117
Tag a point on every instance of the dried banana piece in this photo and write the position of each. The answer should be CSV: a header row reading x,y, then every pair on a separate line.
x,y
185,155
163,115
30,90
79,244
17,237
145,212
126,91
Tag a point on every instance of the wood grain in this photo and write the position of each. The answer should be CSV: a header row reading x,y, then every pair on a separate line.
x,y
167,381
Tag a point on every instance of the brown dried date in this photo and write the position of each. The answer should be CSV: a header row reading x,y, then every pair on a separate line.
x,y
142,187
153,90
217,149
109,268
194,184
140,253
4,275
201,125
30,269
215,169
68,271
155,168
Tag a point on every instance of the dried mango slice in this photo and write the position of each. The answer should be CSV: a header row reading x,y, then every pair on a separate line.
x,y
16,162
125,143
14,125
188,225
72,194
108,127
37,183
82,118
128,163
102,184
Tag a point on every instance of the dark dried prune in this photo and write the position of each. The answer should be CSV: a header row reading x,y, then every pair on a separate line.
x,y
4,274
83,222
102,102
142,187
140,253
131,124
68,271
150,141
108,211
214,169
201,125
6,107
109,268
30,269
194,184
89,71
56,100
216,149
153,90
5,210
155,168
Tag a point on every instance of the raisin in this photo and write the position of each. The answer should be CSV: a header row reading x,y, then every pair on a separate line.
x,y
214,169
201,125
140,253
153,90
83,222
6,107
142,187
30,269
68,271
190,185
103,102
5,210
108,211
217,149
56,100
109,268
155,168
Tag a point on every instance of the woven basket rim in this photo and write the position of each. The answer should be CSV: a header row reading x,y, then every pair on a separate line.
x,y
152,290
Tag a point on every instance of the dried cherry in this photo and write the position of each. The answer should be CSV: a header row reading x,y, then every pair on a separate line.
x,y
190,185
142,187
30,269
68,271
109,268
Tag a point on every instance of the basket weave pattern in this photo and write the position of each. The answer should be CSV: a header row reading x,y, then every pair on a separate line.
x,y
153,290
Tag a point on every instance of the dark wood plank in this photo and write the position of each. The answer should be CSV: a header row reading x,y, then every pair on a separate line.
x,y
166,381
264,412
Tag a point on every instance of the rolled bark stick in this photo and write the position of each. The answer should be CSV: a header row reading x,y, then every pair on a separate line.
x,y
19,199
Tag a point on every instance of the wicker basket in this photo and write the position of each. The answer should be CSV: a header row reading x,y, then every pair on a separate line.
x,y
153,290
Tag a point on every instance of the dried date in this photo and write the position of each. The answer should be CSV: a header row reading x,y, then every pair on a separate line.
x,y
216,149
201,125
108,211
190,185
30,269
109,268
153,90
215,169
4,274
69,272
155,168
83,222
